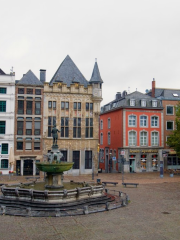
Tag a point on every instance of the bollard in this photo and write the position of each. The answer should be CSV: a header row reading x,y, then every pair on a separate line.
x,y
3,209
86,210
58,213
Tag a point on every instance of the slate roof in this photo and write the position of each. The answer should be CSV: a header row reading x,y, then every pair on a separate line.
x,y
167,94
68,73
30,79
1,72
124,101
96,77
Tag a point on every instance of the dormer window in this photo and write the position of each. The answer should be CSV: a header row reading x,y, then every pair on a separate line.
x,y
154,103
143,103
132,102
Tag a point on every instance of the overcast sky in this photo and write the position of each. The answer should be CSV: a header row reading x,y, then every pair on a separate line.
x,y
134,41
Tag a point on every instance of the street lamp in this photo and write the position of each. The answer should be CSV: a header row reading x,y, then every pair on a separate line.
x,y
122,162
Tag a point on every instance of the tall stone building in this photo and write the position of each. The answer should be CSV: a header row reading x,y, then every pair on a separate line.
x,y
7,100
73,104
28,130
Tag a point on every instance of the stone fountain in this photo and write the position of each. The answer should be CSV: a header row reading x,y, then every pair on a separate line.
x,y
54,168
24,199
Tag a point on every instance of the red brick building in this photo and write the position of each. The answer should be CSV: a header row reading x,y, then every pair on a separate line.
x,y
169,98
131,126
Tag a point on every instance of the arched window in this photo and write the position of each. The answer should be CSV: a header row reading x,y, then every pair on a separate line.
x,y
101,140
101,124
109,138
154,121
154,139
143,138
132,138
132,121
143,121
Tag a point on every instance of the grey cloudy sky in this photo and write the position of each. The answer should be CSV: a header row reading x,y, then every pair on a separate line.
x,y
134,41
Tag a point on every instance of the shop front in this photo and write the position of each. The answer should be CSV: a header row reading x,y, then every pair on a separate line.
x,y
141,160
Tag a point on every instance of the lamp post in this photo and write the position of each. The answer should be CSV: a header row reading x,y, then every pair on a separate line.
x,y
122,162
110,162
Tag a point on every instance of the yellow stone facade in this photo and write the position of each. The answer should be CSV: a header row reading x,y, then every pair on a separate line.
x,y
54,97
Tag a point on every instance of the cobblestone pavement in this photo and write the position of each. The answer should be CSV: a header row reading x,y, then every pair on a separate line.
x,y
153,213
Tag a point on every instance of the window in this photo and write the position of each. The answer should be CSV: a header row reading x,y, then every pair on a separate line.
x,y
89,127
101,140
167,140
2,106
143,121
36,145
154,138
154,103
132,120
88,159
169,110
28,128
76,127
20,107
64,105
3,90
77,105
143,103
49,104
154,121
20,127
4,148
51,123
29,107
109,123
169,125
143,138
132,102
101,124
37,128
132,138
64,127
4,163
28,145
37,108
89,106
20,90
76,156
54,104
2,127
109,138
38,91
19,145
29,91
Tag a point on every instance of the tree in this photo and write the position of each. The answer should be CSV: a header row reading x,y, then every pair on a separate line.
x,y
173,140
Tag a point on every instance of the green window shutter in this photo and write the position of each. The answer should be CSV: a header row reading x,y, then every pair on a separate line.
x,y
2,127
2,106
4,148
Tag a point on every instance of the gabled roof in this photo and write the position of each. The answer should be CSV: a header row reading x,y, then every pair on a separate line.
x,y
68,73
96,77
1,72
29,79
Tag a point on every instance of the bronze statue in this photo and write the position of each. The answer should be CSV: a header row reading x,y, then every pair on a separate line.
x,y
54,134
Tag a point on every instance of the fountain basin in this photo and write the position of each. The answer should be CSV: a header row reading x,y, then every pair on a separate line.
x,y
54,167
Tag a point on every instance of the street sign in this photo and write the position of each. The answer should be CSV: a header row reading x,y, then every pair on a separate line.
x,y
114,158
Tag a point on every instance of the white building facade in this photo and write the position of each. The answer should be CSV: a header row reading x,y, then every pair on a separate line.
x,y
7,106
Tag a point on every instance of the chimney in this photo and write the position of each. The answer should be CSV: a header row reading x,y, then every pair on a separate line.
x,y
118,95
153,87
42,75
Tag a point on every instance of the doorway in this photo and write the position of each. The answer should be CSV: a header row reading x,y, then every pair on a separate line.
x,y
28,167
132,165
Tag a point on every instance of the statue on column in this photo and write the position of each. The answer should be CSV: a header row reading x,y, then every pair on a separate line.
x,y
55,134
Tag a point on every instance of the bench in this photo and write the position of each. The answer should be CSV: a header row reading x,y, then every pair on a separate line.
x,y
134,184
114,183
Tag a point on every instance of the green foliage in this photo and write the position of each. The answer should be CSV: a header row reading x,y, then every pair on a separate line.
x,y
173,140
